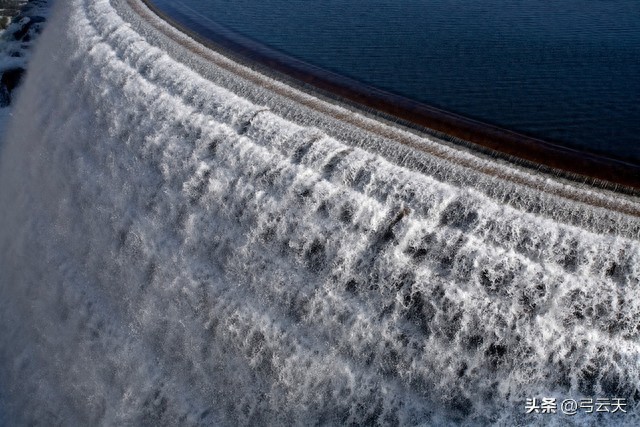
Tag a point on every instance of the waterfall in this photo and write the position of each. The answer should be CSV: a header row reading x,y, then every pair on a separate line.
x,y
181,247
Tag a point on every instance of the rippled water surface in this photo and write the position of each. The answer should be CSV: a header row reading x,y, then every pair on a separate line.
x,y
563,71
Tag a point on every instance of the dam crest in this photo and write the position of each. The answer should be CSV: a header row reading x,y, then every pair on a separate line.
x,y
188,241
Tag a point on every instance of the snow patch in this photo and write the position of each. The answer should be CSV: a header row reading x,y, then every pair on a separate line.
x,y
173,252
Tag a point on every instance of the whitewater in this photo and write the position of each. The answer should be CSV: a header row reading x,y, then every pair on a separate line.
x,y
187,241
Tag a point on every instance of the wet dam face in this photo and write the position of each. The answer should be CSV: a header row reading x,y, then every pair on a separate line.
x,y
185,250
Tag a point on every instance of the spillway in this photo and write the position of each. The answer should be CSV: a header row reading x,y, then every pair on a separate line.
x,y
186,241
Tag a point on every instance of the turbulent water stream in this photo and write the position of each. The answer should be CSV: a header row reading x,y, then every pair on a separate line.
x,y
174,251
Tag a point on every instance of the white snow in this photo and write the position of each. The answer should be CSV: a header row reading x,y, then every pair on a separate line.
x,y
16,53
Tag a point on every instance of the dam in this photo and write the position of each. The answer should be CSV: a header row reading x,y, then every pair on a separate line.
x,y
185,240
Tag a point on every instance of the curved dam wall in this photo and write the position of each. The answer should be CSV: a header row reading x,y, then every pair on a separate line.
x,y
186,242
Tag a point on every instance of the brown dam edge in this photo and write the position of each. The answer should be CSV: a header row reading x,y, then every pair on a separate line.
x,y
534,153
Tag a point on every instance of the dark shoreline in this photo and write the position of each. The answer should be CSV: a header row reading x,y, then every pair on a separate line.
x,y
581,166
9,9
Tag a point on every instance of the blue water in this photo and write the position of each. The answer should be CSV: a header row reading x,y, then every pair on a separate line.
x,y
563,71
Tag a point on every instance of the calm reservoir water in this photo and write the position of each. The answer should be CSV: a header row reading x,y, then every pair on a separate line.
x,y
562,71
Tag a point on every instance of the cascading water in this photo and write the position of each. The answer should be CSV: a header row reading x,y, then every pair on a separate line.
x,y
174,251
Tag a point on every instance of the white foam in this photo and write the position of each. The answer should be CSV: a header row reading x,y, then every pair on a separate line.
x,y
173,252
